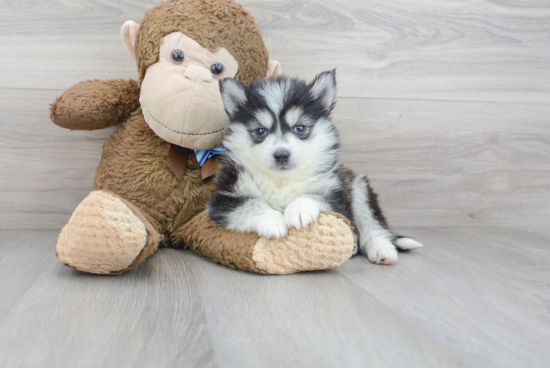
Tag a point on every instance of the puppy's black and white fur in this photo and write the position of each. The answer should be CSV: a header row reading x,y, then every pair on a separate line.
x,y
281,166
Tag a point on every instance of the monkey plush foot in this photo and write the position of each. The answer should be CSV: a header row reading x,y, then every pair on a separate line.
x,y
106,235
324,244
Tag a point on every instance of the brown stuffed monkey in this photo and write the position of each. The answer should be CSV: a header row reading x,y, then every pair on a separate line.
x,y
149,189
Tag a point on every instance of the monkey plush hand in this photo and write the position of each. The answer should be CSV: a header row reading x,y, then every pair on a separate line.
x,y
149,187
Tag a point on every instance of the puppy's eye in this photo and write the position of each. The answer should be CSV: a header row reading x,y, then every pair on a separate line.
x,y
260,132
216,69
178,56
299,129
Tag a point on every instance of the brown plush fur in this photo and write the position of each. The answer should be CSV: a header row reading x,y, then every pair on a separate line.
x,y
95,104
213,24
153,236
133,166
210,240
326,243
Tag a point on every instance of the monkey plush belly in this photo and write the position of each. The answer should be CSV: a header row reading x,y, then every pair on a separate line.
x,y
133,166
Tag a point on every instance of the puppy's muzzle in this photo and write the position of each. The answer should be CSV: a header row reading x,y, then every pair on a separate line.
x,y
281,157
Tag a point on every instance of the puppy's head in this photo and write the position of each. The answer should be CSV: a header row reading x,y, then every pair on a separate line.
x,y
281,125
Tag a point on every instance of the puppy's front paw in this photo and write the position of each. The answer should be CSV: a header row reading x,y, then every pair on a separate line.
x,y
301,213
272,225
381,251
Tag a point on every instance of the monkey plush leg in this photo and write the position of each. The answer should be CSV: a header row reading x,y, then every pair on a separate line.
x,y
107,235
324,244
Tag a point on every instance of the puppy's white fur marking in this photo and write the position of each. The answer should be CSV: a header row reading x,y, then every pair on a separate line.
x,y
303,211
275,96
280,193
374,240
233,95
408,243
256,216
381,251
265,118
292,116
323,87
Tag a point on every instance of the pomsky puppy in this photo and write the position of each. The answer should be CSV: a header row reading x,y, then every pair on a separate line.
x,y
281,167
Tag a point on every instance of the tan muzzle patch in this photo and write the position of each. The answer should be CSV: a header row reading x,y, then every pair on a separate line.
x,y
182,111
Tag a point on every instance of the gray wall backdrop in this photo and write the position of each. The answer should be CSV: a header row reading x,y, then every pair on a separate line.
x,y
444,104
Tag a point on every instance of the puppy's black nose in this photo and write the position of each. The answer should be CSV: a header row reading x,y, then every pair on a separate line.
x,y
281,157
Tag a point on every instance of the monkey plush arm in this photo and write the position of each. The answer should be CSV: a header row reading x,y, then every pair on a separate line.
x,y
327,243
95,104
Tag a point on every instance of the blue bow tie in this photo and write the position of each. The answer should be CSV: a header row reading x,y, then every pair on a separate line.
x,y
202,156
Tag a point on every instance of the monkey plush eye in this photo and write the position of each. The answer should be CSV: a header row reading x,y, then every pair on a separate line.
x,y
216,68
260,132
299,129
178,56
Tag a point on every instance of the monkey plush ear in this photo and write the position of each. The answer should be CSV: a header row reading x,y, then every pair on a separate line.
x,y
129,32
233,95
323,87
273,69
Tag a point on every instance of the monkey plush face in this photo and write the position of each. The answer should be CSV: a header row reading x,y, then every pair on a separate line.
x,y
180,94
183,49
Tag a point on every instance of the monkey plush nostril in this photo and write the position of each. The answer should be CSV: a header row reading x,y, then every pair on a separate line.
x,y
198,73
281,157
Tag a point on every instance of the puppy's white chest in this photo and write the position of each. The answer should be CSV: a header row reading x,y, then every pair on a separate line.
x,y
277,195
280,198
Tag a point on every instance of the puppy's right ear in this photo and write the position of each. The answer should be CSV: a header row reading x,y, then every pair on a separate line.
x,y
233,95
323,87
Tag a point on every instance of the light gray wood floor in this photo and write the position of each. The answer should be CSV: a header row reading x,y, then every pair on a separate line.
x,y
473,297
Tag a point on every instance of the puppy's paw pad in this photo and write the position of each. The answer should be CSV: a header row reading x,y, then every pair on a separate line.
x,y
382,256
301,213
272,225
380,250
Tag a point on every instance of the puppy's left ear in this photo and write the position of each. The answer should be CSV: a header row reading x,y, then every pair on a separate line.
x,y
233,95
323,87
